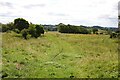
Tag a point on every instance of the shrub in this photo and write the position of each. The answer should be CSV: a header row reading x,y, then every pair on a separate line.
x,y
24,33
35,30
101,33
10,26
32,30
39,29
16,30
113,35
95,30
118,35
5,28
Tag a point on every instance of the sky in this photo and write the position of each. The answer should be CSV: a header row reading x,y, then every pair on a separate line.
x,y
76,12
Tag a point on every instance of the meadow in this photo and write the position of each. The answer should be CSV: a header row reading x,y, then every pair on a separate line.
x,y
59,55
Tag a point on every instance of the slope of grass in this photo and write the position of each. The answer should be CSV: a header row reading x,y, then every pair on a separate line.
x,y
56,55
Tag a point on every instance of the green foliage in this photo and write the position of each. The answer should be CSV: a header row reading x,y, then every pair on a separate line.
x,y
32,30
16,30
84,31
24,33
113,35
118,35
36,30
95,30
5,28
11,26
39,29
72,29
21,24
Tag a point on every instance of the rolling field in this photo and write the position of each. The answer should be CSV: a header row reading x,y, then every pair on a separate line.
x,y
56,55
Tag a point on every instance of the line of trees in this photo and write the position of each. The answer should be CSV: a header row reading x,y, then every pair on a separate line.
x,y
23,27
72,29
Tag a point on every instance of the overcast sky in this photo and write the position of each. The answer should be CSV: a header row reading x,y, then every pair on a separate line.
x,y
77,12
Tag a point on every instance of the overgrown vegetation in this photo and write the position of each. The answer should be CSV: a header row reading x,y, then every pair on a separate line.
x,y
57,55
22,26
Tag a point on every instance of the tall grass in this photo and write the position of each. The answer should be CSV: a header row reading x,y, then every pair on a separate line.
x,y
56,55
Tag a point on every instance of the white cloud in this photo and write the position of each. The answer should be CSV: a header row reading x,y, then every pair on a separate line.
x,y
78,12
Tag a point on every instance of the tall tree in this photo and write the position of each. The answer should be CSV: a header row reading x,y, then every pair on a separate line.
x,y
21,24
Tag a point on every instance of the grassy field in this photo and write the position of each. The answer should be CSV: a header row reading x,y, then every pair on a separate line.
x,y
56,55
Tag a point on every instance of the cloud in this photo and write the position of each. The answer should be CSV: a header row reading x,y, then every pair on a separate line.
x,y
6,4
107,17
8,15
77,12
57,14
4,14
34,5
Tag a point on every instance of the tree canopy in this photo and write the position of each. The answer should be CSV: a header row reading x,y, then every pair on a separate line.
x,y
21,24
72,29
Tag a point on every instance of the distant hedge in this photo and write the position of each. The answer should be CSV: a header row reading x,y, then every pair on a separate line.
x,y
72,29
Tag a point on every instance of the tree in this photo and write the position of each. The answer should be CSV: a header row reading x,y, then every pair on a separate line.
x,y
94,30
84,31
72,29
61,27
21,24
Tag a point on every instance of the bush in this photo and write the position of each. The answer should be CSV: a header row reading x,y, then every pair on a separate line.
x,y
16,30
101,33
32,30
39,29
10,26
5,28
95,30
113,35
24,33
36,30
118,35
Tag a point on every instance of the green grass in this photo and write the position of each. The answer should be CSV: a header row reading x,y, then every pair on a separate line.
x,y
56,55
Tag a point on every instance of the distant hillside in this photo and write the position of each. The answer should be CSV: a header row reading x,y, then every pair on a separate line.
x,y
50,27
54,28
